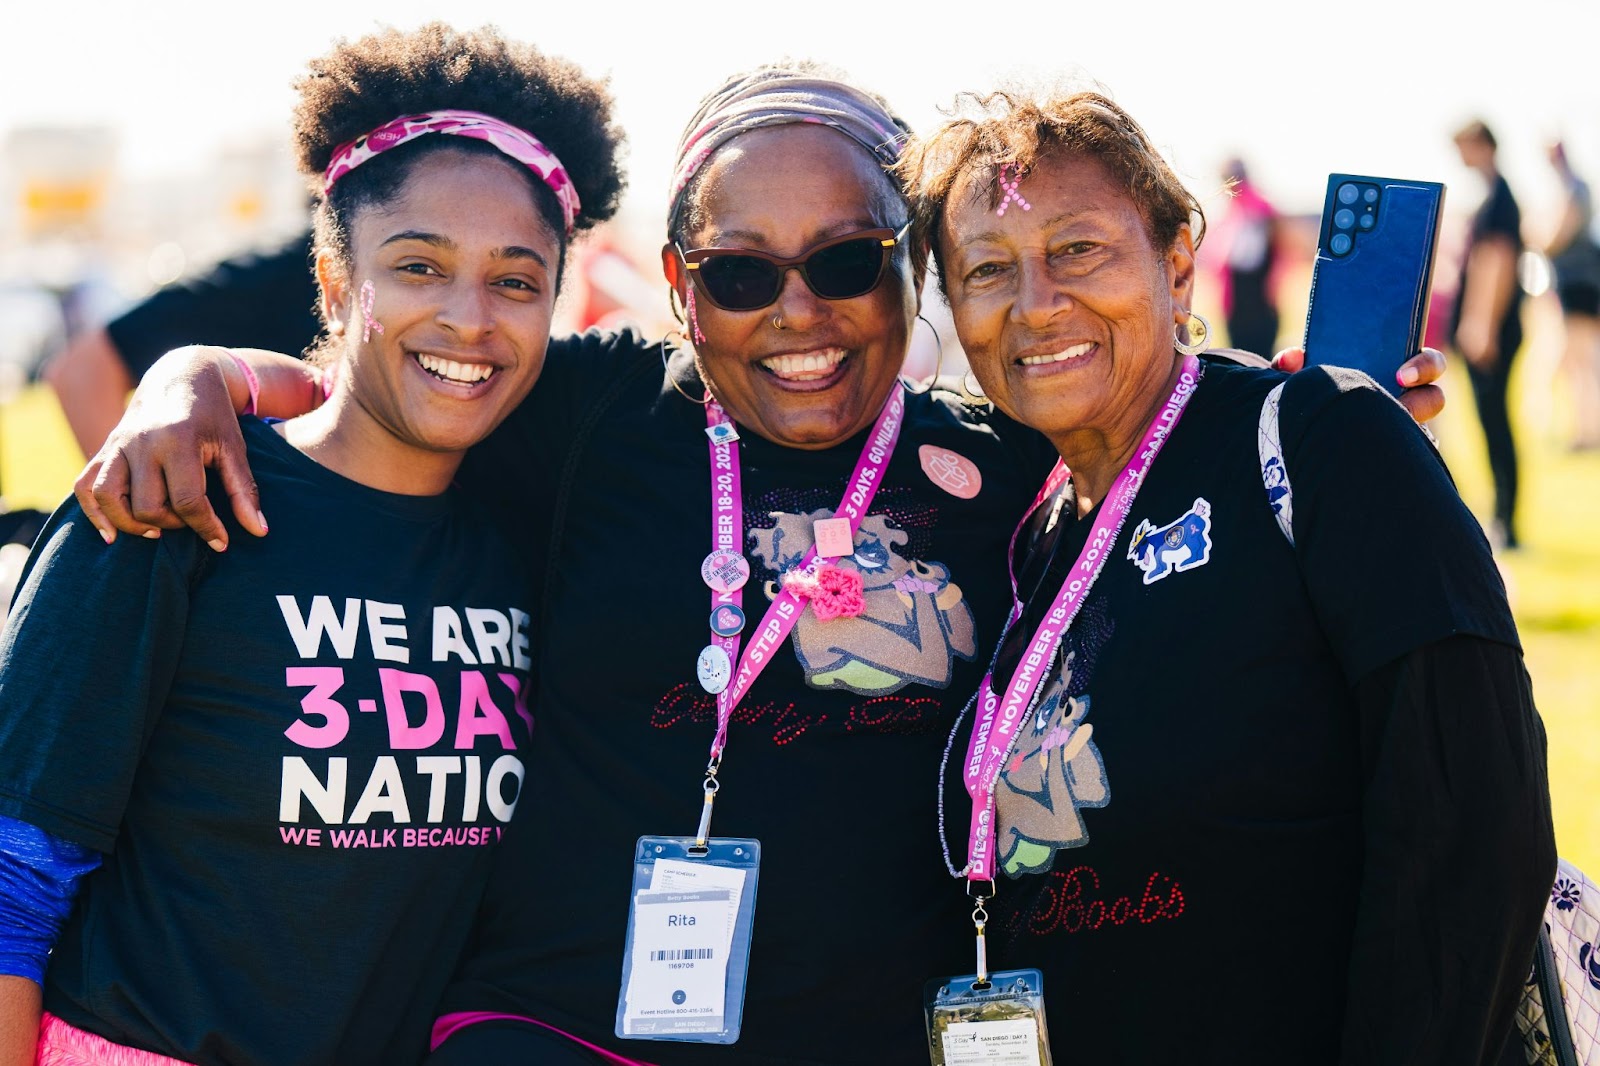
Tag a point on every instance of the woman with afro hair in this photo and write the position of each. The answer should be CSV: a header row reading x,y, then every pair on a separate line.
x,y
247,798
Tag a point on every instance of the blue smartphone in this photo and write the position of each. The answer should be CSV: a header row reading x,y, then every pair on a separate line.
x,y
1374,269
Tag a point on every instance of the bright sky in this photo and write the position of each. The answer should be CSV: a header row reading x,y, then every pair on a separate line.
x,y
1371,86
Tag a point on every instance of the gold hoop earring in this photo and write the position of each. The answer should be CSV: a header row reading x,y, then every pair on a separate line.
x,y
1199,335
670,377
938,364
972,394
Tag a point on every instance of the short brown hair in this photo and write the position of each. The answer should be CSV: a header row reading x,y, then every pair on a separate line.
x,y
1476,130
1018,129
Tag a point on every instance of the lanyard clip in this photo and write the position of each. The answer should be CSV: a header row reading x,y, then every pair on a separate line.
x,y
980,921
711,785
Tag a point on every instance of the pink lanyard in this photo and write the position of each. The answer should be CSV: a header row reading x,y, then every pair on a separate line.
x,y
727,535
994,731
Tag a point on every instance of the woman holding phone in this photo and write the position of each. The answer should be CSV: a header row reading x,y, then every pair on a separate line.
x,y
1329,842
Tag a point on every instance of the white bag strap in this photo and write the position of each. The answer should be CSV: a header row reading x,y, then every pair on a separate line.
x,y
1274,471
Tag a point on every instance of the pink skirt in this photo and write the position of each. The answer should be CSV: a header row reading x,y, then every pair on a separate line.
x,y
62,1045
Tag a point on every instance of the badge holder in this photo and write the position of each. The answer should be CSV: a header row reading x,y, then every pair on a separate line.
x,y
997,1021
688,948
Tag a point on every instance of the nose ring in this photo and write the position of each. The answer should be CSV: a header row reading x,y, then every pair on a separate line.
x,y
777,321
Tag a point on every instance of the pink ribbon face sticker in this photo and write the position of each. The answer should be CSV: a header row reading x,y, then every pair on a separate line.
x,y
1010,178
370,325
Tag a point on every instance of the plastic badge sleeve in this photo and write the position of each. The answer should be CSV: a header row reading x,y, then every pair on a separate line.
x,y
998,1025
688,947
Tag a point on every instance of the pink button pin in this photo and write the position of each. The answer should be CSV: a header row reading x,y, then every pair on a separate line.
x,y
833,537
725,571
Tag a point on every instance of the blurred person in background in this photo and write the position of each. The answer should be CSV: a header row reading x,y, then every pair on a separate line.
x,y
189,871
1575,260
1487,325
258,300
1246,260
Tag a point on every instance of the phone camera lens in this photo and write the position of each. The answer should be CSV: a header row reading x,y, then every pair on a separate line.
x,y
1340,244
1368,221
1344,218
1370,195
1348,193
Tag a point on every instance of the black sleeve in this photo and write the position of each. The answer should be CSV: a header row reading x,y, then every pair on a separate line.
x,y
256,301
516,470
86,660
1459,855
1391,557
1501,216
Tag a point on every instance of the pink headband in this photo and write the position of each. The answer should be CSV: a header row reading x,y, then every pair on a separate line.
x,y
520,145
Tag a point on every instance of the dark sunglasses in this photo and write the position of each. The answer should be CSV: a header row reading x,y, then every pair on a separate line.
x,y
743,279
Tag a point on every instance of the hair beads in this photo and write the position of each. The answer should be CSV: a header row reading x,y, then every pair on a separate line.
x,y
694,319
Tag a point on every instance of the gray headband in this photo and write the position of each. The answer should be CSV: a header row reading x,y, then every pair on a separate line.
x,y
769,98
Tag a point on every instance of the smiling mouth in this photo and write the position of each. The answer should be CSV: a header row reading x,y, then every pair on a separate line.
x,y
804,366
451,372
1063,356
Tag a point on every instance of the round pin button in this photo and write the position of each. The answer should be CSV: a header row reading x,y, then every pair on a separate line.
x,y
714,669
725,571
727,620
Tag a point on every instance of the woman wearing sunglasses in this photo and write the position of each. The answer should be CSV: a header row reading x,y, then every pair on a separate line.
x,y
669,555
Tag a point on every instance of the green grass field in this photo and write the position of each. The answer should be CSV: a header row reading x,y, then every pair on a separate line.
x,y
1554,580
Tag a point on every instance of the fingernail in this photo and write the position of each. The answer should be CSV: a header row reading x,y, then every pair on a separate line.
x,y
1408,375
218,545
151,534
105,534
263,520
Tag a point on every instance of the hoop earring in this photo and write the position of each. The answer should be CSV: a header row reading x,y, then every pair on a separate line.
x,y
975,395
938,364
1200,338
666,371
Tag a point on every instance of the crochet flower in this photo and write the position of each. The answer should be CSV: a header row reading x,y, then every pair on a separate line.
x,y
834,591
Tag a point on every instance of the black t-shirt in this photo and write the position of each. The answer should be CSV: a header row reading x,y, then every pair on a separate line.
x,y
1181,827
296,755
830,756
1497,216
264,300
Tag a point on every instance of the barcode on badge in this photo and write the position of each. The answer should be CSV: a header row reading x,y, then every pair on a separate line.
x,y
680,954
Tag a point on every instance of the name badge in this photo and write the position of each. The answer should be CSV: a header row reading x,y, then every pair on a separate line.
x,y
688,946
998,1022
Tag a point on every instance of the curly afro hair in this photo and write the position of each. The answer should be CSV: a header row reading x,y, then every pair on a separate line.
x,y
362,84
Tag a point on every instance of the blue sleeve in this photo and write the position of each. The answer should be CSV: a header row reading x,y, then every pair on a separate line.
x,y
39,876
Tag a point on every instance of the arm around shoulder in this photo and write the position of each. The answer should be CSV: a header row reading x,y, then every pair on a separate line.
x,y
150,473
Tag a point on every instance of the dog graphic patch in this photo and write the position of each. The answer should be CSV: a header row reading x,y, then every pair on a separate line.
x,y
1180,545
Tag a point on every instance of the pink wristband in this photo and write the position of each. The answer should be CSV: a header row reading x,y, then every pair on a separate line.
x,y
251,381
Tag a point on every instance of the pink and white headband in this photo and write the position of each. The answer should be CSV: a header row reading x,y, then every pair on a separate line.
x,y
520,145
